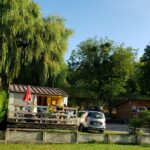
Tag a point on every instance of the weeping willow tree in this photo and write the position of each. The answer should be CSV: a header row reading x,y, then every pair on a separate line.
x,y
55,38
31,48
20,22
50,68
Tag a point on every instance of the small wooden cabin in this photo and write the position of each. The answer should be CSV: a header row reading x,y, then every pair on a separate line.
x,y
129,108
41,96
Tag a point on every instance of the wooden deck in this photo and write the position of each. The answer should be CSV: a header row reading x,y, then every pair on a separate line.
x,y
29,125
43,119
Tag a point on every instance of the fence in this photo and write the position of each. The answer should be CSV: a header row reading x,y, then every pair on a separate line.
x,y
42,117
43,136
134,130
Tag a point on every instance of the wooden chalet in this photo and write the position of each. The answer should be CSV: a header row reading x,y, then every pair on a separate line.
x,y
48,106
130,108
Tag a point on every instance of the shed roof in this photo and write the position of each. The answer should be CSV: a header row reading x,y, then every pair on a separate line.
x,y
126,101
17,88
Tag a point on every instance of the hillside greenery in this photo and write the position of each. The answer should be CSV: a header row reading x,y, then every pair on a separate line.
x,y
3,105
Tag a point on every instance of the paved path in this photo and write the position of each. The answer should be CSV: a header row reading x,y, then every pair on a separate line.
x,y
117,127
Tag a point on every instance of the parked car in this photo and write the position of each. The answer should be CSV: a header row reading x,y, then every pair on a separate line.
x,y
91,120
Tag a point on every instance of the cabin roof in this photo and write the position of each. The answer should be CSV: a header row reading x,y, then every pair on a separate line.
x,y
126,101
17,88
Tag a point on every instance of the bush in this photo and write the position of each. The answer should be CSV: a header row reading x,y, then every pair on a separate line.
x,y
141,120
136,122
3,108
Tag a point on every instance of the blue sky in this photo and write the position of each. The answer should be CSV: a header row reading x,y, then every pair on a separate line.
x,y
123,21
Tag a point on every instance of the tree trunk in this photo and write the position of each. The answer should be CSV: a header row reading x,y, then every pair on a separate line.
x,y
110,111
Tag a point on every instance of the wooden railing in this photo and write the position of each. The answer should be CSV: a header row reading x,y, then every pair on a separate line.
x,y
43,115
134,130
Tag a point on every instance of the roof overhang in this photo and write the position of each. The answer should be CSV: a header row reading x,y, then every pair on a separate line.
x,y
17,88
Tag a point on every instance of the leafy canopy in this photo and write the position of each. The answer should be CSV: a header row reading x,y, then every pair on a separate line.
x,y
103,63
31,45
145,71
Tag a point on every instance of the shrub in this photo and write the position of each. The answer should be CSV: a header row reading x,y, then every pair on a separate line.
x,y
136,122
141,120
3,105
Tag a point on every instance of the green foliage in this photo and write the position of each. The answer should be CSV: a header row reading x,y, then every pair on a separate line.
x,y
55,44
50,68
141,120
136,122
3,104
18,37
81,93
133,84
145,70
102,62
31,46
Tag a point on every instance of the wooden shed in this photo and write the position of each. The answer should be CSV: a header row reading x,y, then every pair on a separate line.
x,y
129,108
41,96
39,108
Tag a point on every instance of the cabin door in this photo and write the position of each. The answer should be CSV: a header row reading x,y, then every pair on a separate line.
x,y
41,101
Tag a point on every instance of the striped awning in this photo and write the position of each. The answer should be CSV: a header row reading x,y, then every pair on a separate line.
x,y
17,88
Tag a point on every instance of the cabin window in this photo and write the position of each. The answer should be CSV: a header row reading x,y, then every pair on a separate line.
x,y
41,101
49,100
54,102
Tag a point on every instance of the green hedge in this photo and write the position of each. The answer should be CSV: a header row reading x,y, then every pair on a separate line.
x,y
141,120
3,104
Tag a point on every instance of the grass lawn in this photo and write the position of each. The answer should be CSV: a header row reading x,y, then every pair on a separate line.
x,y
72,147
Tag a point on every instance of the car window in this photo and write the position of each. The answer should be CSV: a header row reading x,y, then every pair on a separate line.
x,y
97,115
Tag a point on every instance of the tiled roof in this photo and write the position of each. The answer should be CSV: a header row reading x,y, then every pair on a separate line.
x,y
17,88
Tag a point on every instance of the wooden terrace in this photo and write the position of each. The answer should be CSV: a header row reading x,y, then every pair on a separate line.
x,y
28,116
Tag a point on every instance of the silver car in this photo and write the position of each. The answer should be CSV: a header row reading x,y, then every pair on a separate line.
x,y
91,120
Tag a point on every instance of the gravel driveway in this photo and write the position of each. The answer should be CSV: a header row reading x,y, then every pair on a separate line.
x,y
117,127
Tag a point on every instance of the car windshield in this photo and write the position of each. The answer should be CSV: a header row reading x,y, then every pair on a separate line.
x,y
97,115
